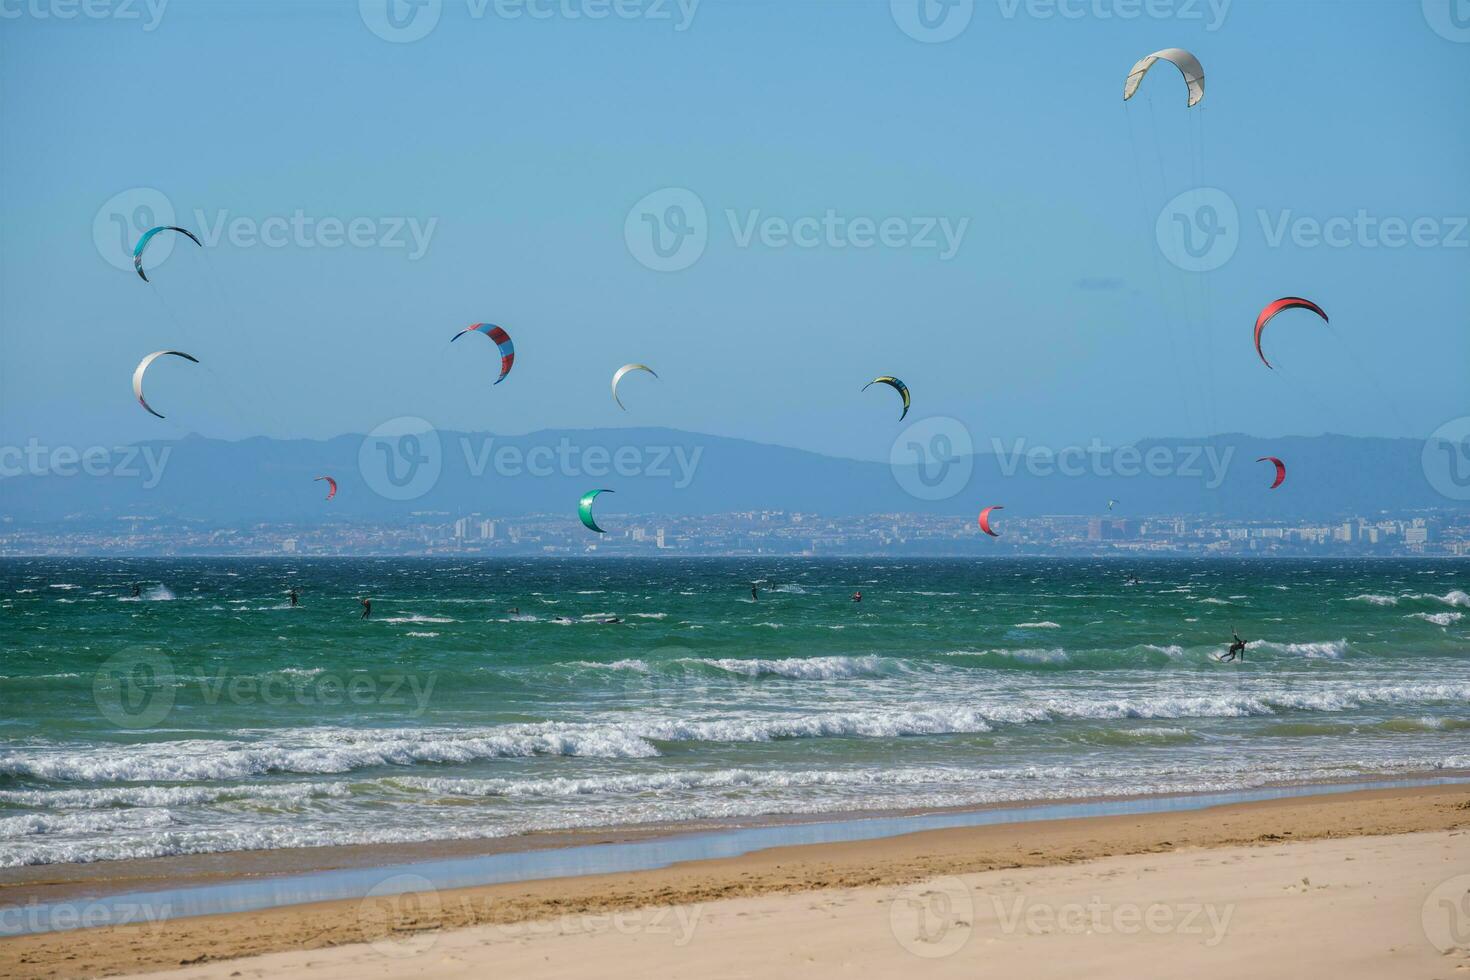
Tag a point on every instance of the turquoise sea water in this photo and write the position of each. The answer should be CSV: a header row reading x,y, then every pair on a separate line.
x,y
207,714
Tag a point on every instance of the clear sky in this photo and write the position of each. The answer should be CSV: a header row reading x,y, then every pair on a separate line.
x,y
520,148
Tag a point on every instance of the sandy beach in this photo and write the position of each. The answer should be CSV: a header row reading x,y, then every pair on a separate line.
x,y
1355,884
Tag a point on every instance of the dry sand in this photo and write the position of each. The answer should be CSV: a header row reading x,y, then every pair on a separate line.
x,y
1343,885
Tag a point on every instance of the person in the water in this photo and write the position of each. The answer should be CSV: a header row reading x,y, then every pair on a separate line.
x,y
1237,648
754,594
295,596
367,608
137,590
857,597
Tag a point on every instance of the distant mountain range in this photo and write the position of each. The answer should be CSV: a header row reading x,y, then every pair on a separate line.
x,y
654,471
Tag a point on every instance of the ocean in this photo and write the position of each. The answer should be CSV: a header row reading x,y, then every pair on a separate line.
x,y
490,698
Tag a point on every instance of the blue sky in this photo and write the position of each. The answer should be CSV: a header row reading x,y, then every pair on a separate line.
x,y
517,146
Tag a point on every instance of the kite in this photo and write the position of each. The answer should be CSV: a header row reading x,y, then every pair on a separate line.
x,y
1280,469
618,376
502,340
1188,65
331,484
584,509
896,385
143,366
985,520
1280,306
148,237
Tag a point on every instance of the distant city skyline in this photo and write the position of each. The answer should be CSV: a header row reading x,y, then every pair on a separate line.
x,y
756,533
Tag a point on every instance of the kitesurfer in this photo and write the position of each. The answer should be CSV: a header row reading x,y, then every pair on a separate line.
x,y
1237,648
137,590
857,597
754,594
295,597
367,608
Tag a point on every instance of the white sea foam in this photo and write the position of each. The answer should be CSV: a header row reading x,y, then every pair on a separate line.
x,y
803,668
1438,619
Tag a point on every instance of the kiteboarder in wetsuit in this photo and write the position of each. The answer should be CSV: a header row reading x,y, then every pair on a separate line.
x,y
137,590
295,597
1237,648
367,608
